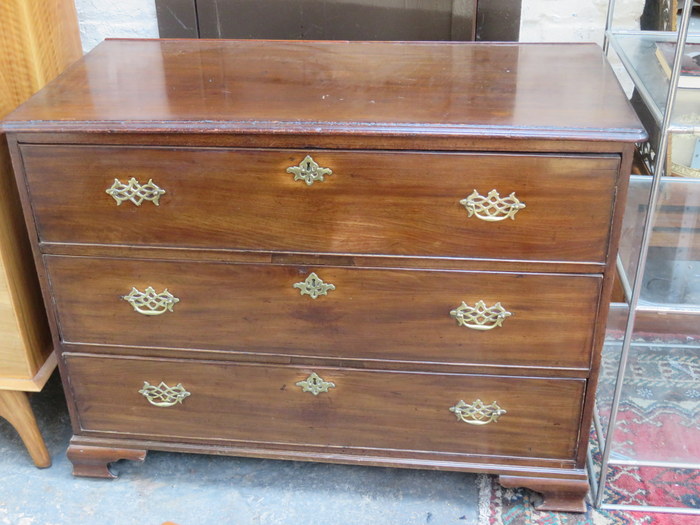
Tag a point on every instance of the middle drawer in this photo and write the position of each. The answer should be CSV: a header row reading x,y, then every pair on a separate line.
x,y
464,317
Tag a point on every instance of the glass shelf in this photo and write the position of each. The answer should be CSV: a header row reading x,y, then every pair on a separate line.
x,y
637,51
672,274
658,422
647,415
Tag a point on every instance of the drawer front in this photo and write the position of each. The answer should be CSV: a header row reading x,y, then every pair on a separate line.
x,y
361,408
373,202
387,314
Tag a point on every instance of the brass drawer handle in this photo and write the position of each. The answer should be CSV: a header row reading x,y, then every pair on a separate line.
x,y
313,286
477,413
493,207
163,395
135,192
480,316
150,302
309,171
315,384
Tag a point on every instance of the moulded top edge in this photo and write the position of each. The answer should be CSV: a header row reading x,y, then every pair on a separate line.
x,y
518,90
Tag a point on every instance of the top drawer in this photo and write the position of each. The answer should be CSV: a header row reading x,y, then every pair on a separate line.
x,y
389,203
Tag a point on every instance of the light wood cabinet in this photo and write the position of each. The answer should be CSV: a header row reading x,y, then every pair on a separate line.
x,y
38,39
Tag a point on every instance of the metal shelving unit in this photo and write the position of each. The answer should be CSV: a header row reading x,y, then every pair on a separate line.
x,y
668,111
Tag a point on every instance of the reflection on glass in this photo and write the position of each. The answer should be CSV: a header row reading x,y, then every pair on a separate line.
x,y
606,382
659,414
654,487
638,52
672,273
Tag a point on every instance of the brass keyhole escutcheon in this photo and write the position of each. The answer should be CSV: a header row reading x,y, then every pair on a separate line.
x,y
309,171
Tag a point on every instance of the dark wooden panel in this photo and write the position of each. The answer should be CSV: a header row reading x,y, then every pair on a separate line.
x,y
464,13
177,18
376,203
376,314
498,20
330,20
388,20
366,409
339,87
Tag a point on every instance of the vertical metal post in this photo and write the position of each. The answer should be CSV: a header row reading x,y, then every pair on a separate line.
x,y
608,25
659,168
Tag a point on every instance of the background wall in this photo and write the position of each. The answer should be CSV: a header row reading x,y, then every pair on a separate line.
x,y
100,19
541,21
574,20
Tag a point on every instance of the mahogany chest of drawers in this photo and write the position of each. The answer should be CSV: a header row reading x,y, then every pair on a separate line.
x,y
380,253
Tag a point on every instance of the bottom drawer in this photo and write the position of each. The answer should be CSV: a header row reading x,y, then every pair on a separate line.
x,y
531,417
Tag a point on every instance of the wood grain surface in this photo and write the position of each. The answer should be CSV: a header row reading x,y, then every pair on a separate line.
x,y
15,408
558,495
409,130
366,409
38,39
372,313
378,203
93,462
370,88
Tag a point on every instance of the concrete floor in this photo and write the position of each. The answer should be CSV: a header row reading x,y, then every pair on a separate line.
x,y
191,489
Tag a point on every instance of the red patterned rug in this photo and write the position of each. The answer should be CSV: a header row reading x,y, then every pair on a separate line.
x,y
659,414
659,418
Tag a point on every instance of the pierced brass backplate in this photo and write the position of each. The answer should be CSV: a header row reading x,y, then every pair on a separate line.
x,y
477,413
150,302
315,384
493,207
163,395
309,171
313,286
135,192
480,316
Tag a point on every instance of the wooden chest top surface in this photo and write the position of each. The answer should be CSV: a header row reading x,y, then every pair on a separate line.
x,y
471,89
